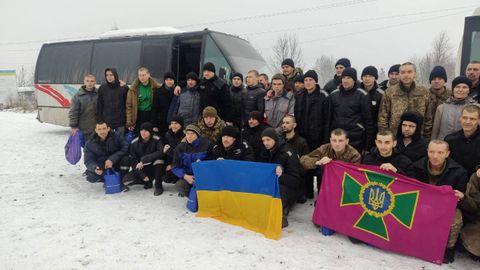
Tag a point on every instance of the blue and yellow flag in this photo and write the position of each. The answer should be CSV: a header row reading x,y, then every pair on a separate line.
x,y
240,193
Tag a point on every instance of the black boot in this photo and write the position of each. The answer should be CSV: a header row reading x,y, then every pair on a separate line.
x,y
355,240
449,256
284,222
148,185
158,188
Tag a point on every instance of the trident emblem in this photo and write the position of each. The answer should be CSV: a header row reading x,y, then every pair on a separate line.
x,y
376,199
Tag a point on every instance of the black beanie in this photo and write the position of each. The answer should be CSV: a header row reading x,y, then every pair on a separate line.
x,y
192,75
350,72
209,66
148,127
412,117
344,62
438,72
169,75
370,70
237,74
311,74
271,133
256,115
461,79
394,68
231,131
288,62
298,78
178,119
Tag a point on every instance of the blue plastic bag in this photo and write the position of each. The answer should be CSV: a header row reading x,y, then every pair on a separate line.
x,y
112,182
326,231
129,137
192,203
73,148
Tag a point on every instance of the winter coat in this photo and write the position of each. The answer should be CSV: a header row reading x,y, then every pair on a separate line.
x,y
290,81
185,154
465,151
96,152
279,106
312,110
297,145
146,152
333,84
416,149
83,110
111,104
253,137
375,96
351,111
470,204
162,97
290,177
238,151
350,155
187,105
211,133
453,175
447,117
436,99
132,100
398,100
384,85
475,92
172,139
253,100
399,161
214,92
237,94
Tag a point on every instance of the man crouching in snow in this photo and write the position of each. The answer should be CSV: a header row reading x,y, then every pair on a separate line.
x,y
106,149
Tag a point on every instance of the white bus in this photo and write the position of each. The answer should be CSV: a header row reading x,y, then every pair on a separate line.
x,y
61,66
470,48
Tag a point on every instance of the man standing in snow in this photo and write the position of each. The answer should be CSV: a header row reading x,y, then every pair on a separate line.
x,y
83,111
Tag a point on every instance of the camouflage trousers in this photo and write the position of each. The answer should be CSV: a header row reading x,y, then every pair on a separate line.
x,y
471,238
455,228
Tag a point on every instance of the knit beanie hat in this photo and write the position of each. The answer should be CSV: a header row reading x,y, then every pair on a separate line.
x,y
271,133
209,66
169,75
412,117
147,126
237,74
178,119
288,62
370,70
350,72
279,76
193,128
209,112
461,79
438,72
311,74
298,78
345,62
231,131
192,75
394,68
256,115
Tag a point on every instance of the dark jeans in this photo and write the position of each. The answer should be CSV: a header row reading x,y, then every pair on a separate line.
x,y
153,171
121,167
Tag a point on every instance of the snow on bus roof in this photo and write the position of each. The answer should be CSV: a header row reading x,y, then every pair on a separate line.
x,y
154,31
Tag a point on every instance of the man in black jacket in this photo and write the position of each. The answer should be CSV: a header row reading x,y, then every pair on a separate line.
x,y
349,109
172,138
105,150
162,97
111,104
275,151
237,94
312,111
334,83
375,94
465,143
439,170
231,147
409,136
147,161
385,156
253,98
214,92
252,133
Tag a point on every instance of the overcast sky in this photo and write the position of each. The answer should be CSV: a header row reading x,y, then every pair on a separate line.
x,y
369,32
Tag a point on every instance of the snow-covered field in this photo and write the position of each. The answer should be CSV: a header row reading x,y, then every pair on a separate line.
x,y
51,218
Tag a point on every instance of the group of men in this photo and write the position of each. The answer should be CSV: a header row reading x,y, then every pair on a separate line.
x,y
290,121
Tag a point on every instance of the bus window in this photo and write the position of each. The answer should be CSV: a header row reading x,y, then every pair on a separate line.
x,y
240,54
156,56
471,41
475,47
122,55
214,55
63,63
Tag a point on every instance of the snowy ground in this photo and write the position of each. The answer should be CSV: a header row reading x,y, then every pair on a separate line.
x,y
51,218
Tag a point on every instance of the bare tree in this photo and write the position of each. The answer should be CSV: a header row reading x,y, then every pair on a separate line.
x,y
440,55
325,68
287,46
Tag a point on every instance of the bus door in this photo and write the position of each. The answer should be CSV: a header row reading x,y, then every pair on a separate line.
x,y
186,55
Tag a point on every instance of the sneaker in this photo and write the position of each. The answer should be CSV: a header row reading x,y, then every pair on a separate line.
x,y
449,256
125,188
158,191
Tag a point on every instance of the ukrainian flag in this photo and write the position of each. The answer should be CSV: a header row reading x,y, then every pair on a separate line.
x,y
240,193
